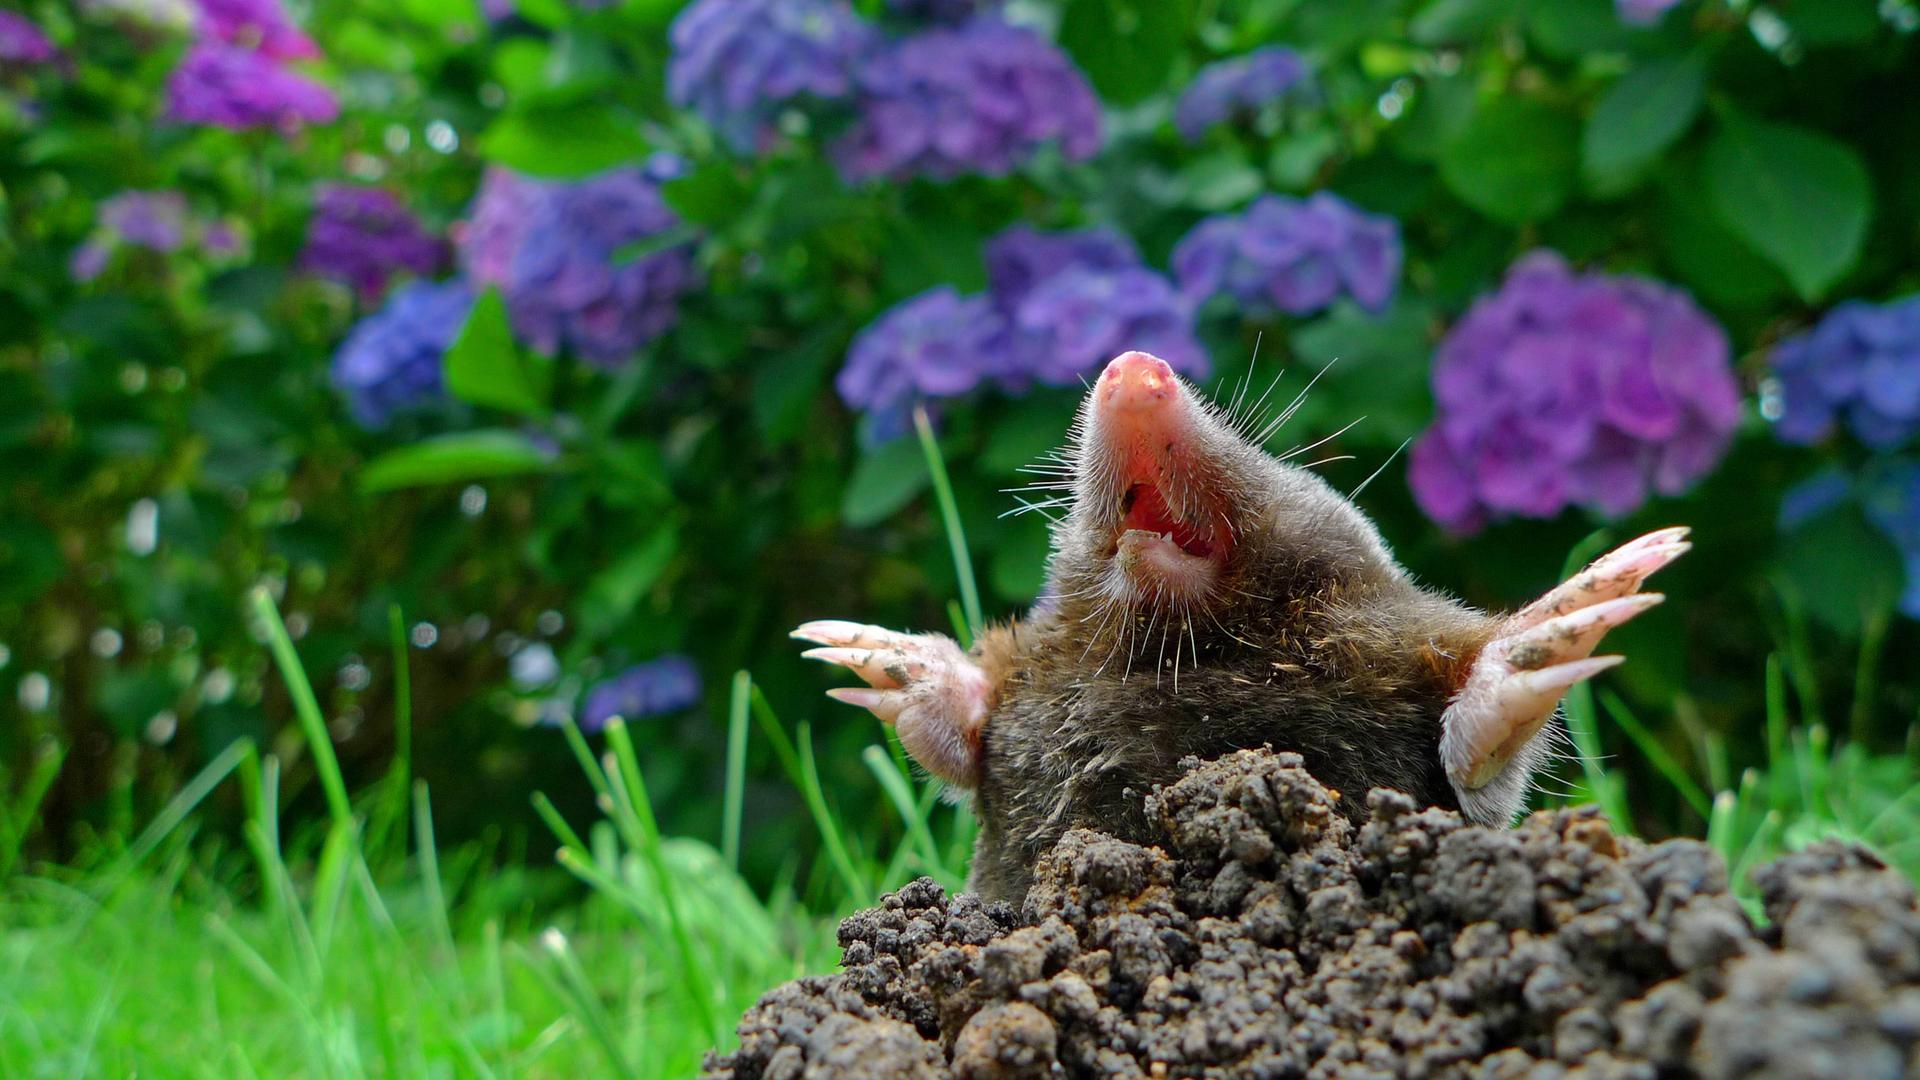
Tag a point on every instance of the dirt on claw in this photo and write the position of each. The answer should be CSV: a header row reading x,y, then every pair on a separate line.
x,y
1270,937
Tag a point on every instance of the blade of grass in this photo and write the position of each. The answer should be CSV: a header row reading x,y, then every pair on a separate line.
x,y
956,533
899,791
190,795
800,768
1866,673
1657,755
734,802
305,706
19,820
429,856
574,990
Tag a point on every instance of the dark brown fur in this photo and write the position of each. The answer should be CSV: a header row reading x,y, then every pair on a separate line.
x,y
1313,640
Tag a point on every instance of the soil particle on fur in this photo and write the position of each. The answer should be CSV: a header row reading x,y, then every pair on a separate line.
x,y
1270,936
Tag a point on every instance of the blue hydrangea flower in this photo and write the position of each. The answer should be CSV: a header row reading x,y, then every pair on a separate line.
x,y
1292,255
1021,257
390,363
1566,389
981,97
260,25
938,344
558,252
23,44
664,685
738,63
232,87
1860,365
1228,88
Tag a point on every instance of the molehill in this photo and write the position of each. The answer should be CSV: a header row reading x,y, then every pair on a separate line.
x,y
1270,936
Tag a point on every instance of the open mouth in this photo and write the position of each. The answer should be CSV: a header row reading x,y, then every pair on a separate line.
x,y
1146,518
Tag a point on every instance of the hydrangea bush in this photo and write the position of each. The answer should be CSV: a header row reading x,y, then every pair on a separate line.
x,y
588,335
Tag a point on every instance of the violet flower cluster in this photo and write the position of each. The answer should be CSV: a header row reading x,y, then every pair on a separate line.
x,y
980,97
1643,12
559,251
1291,255
1228,88
667,684
259,25
938,11
739,63
391,362
1566,389
156,221
1859,366
362,236
23,44
237,75
1058,306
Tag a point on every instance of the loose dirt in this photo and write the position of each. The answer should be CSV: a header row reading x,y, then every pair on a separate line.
x,y
1269,936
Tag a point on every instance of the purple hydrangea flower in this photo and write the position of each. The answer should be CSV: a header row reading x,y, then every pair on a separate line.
x,y
1227,88
23,44
1021,257
937,344
737,63
156,220
1860,365
260,25
1296,256
231,87
364,235
664,685
390,363
977,98
557,251
1643,12
1569,389
1079,319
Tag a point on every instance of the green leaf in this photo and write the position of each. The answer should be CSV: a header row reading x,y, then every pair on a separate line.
x,y
1572,29
1027,429
1219,181
785,386
614,592
1514,161
1335,26
1841,568
485,367
709,195
1126,47
442,13
457,458
563,141
1799,198
1446,21
1643,114
1442,109
1296,159
885,479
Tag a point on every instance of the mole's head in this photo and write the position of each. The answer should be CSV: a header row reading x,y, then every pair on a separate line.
x,y
1173,505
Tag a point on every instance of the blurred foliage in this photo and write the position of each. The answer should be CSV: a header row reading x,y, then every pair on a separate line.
x,y
169,438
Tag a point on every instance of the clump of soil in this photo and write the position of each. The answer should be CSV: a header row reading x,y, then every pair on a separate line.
x,y
1269,936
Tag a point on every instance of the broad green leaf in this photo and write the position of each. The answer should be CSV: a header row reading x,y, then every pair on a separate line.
x,y
1335,26
1126,47
885,479
485,367
1703,254
1027,429
1442,109
1642,115
709,195
785,385
1841,568
614,592
1445,21
442,13
1019,562
1834,22
457,458
1219,181
1296,159
563,141
1799,198
1514,161
1573,29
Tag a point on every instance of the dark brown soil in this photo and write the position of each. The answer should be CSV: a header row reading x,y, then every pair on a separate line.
x,y
1270,937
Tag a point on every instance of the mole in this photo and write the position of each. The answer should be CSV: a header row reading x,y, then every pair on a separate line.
x,y
1203,596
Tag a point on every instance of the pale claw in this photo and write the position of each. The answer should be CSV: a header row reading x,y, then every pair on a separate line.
x,y
933,694
1542,650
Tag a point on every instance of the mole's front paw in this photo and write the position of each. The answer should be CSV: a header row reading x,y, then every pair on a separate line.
x,y
1541,651
933,694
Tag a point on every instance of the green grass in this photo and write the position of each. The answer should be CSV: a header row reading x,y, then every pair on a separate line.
x,y
355,947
